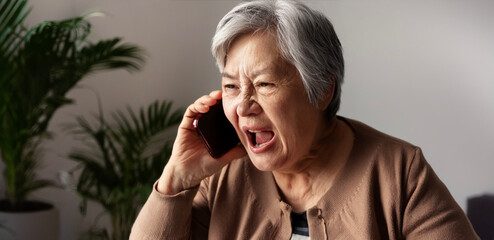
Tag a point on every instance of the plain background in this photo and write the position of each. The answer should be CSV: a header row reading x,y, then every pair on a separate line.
x,y
422,71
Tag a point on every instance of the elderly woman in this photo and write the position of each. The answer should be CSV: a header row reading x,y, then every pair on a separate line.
x,y
300,171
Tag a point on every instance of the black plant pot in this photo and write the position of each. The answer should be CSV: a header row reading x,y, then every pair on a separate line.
x,y
27,206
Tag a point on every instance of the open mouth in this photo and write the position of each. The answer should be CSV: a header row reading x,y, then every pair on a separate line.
x,y
259,138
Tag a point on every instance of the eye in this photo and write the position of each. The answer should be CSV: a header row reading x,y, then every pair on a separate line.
x,y
265,84
231,89
229,86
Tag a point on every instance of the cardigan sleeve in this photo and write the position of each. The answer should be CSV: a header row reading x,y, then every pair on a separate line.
x,y
430,211
181,216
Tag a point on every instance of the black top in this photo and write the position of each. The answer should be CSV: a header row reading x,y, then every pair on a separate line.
x,y
299,223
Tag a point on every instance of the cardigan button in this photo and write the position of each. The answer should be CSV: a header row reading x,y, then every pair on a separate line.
x,y
285,206
314,212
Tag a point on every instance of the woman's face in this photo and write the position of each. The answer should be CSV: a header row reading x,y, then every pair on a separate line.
x,y
265,100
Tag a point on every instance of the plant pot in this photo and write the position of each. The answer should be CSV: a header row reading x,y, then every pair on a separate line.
x,y
27,225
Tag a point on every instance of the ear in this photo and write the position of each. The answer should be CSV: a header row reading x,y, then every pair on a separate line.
x,y
328,97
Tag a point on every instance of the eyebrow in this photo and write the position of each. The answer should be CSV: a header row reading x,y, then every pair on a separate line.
x,y
227,75
253,75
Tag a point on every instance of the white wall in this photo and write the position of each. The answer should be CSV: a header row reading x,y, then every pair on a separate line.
x,y
418,70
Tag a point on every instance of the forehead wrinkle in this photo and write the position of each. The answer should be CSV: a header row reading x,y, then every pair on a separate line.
x,y
258,66
253,58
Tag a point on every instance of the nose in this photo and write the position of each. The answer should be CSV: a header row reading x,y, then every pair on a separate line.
x,y
248,107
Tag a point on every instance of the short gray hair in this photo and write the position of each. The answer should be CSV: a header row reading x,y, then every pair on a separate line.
x,y
306,39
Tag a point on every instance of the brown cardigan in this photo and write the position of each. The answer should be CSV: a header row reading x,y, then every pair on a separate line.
x,y
386,190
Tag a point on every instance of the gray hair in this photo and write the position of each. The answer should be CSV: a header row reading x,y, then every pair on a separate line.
x,y
306,39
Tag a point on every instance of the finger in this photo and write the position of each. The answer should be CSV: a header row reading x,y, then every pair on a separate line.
x,y
200,106
206,100
216,94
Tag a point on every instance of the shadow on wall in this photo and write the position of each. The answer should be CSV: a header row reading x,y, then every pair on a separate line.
x,y
480,211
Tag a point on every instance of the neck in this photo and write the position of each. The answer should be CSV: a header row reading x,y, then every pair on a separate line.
x,y
312,176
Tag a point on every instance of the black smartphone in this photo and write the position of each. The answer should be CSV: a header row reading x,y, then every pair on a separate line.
x,y
215,131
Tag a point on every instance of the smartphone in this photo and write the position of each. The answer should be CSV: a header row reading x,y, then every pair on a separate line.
x,y
216,132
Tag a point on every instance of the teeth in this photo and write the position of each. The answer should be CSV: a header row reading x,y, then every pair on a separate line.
x,y
254,131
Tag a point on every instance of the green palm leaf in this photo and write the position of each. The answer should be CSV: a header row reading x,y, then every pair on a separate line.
x,y
12,14
122,159
38,67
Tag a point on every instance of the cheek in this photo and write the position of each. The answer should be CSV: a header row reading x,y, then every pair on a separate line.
x,y
294,126
290,135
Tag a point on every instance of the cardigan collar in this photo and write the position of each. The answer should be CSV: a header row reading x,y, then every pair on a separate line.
x,y
266,193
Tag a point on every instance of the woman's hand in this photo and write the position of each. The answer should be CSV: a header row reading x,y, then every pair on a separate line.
x,y
190,161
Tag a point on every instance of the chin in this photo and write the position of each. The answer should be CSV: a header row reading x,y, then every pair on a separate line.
x,y
265,163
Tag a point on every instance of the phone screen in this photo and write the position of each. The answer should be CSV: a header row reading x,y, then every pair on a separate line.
x,y
215,131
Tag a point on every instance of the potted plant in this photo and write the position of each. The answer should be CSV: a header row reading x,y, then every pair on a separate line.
x,y
38,67
120,160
